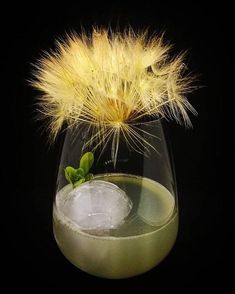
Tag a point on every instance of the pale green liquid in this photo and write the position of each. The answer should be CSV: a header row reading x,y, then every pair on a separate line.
x,y
139,244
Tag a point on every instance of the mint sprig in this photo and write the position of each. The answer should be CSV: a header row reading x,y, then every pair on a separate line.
x,y
80,175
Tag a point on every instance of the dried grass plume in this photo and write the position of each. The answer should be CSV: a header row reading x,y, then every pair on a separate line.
x,y
112,81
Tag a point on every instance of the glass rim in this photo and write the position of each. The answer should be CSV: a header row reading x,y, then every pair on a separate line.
x,y
131,123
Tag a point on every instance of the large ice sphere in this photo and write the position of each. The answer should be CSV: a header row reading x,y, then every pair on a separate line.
x,y
96,205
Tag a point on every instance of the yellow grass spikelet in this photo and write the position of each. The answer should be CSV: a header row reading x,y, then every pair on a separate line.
x,y
111,81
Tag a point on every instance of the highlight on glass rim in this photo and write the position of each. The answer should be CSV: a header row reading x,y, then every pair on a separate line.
x,y
115,212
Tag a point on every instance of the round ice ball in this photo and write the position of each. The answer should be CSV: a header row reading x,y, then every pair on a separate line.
x,y
97,205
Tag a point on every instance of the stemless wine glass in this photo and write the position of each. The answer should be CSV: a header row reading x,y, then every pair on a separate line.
x,y
115,210
128,222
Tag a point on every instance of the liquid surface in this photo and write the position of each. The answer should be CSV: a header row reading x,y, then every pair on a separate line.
x,y
152,205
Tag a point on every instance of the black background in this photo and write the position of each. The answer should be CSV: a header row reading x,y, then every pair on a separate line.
x,y
201,254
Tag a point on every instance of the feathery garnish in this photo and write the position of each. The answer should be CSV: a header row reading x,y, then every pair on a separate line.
x,y
111,81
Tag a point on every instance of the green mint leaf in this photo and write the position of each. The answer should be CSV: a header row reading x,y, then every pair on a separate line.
x,y
70,174
80,173
89,177
78,176
86,162
78,183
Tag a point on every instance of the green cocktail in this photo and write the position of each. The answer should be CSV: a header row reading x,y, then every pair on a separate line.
x,y
137,245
